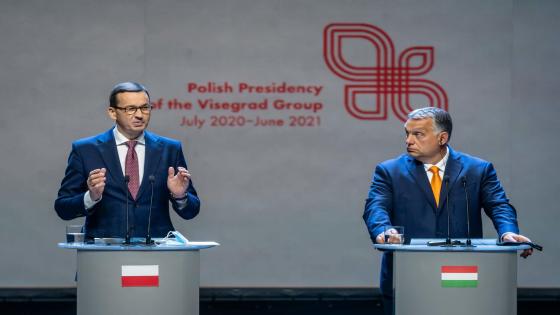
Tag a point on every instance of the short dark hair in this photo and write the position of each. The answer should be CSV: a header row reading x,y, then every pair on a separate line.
x,y
441,118
126,87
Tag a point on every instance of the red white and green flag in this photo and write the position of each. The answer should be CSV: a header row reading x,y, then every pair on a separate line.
x,y
140,276
459,276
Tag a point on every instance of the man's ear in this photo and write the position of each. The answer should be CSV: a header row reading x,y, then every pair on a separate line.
x,y
112,113
443,138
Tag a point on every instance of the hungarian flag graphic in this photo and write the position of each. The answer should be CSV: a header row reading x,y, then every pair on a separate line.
x,y
459,276
140,276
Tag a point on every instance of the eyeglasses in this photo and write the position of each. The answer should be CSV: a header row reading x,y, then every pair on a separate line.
x,y
131,110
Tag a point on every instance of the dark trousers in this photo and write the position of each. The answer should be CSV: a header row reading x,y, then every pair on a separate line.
x,y
386,283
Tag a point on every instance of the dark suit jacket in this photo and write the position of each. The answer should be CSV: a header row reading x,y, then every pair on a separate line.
x,y
108,217
400,194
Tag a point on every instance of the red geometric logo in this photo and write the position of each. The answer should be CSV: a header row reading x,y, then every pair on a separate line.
x,y
390,81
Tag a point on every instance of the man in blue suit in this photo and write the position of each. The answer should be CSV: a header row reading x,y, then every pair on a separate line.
x,y
409,191
127,164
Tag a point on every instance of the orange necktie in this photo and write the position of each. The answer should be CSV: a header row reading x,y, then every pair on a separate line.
x,y
436,183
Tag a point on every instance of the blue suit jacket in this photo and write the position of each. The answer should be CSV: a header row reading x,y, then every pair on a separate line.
x,y
400,194
108,217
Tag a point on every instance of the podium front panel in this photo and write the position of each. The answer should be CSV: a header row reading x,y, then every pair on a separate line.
x,y
102,290
444,282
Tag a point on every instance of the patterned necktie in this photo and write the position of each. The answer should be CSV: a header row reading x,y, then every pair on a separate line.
x,y
436,183
131,168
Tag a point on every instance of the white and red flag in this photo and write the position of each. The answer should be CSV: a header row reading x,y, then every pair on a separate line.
x,y
140,276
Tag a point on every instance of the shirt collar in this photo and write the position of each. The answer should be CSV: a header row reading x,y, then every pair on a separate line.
x,y
441,164
121,139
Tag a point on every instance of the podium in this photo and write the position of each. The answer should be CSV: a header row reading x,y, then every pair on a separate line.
x,y
454,280
138,279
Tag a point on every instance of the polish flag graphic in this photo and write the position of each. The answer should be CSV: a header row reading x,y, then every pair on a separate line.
x,y
140,276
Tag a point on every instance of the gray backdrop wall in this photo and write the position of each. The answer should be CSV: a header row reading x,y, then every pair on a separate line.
x,y
284,201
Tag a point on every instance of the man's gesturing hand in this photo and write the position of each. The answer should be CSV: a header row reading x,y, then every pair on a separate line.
x,y
96,183
178,183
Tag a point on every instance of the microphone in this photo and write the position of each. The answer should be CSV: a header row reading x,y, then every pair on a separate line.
x,y
152,179
448,239
127,237
447,242
469,242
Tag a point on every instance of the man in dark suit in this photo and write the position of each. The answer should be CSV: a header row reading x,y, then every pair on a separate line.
x,y
409,191
127,164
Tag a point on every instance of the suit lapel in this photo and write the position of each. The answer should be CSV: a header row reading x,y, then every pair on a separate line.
x,y
108,149
418,172
154,149
452,169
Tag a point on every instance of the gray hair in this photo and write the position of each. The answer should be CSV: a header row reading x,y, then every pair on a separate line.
x,y
125,87
441,118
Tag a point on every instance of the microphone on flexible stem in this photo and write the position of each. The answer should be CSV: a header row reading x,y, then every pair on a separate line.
x,y
448,239
127,237
152,179
447,242
469,242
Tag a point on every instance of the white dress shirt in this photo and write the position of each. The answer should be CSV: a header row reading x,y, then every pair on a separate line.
x,y
122,149
441,166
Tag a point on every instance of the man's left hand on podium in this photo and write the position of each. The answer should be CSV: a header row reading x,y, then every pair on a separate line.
x,y
512,237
